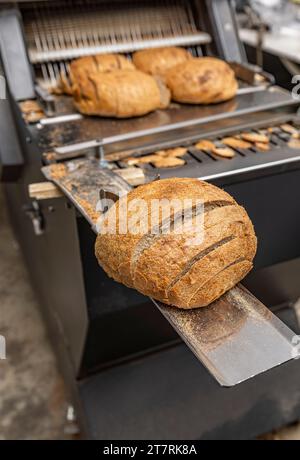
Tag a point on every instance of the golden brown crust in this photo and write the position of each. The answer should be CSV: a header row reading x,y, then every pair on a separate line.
x,y
202,81
177,251
168,162
115,251
211,264
220,284
157,61
235,142
65,86
120,93
30,106
81,68
174,268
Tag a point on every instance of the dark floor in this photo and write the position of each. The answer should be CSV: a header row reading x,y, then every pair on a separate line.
x,y
33,401
32,397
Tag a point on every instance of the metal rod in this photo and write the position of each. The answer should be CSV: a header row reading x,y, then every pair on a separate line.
x,y
71,53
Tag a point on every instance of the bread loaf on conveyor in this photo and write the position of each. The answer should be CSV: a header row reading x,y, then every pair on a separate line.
x,y
177,267
120,93
81,68
203,80
157,61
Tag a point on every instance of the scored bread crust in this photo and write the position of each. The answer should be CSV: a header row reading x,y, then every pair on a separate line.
x,y
157,61
203,80
116,250
158,266
220,284
208,267
120,93
165,266
81,68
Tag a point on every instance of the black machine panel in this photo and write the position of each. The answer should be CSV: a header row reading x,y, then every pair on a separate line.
x,y
11,155
168,395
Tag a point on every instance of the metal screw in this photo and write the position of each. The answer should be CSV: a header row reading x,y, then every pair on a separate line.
x,y
101,155
71,427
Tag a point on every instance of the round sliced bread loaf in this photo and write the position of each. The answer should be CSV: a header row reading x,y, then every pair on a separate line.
x,y
190,254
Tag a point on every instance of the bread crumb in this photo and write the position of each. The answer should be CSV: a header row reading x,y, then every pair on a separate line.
x,y
30,106
262,147
204,144
93,214
255,137
225,152
58,171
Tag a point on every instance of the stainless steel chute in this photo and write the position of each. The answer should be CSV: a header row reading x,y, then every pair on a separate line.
x,y
236,337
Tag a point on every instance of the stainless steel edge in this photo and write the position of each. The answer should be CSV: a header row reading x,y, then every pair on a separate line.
x,y
186,40
251,168
173,126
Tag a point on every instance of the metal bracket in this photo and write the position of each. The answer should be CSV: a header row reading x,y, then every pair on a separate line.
x,y
101,155
33,211
252,74
107,197
46,99
296,307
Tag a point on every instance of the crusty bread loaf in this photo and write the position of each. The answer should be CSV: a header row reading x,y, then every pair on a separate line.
x,y
203,80
100,63
178,268
120,93
157,61
81,68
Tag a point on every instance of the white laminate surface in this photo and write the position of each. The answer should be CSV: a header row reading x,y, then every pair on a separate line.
x,y
280,45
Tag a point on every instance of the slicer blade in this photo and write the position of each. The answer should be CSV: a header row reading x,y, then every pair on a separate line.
x,y
236,337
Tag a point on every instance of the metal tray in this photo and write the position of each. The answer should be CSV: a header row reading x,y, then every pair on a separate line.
x,y
135,132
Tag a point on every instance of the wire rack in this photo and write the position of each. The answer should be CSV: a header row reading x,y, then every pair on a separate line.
x,y
60,31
